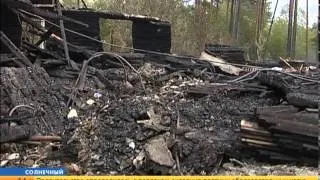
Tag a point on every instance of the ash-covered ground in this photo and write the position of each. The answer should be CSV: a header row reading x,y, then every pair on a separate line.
x,y
154,128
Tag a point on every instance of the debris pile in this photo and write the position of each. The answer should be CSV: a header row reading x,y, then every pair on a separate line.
x,y
282,131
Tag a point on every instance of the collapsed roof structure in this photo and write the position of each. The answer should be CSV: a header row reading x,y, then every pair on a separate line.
x,y
144,28
147,111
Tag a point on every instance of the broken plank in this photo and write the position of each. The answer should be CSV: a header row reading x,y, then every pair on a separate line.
x,y
276,109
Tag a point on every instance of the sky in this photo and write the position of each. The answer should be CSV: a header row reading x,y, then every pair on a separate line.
x,y
313,8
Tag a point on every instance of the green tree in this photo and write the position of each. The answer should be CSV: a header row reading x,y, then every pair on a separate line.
x,y
193,25
278,41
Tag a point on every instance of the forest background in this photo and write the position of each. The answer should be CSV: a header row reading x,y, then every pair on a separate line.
x,y
195,23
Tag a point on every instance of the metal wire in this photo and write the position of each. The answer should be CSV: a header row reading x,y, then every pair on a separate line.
x,y
244,77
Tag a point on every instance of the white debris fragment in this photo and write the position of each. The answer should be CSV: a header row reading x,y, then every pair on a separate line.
x,y
97,95
8,158
3,163
90,102
13,156
156,97
277,68
113,172
35,165
13,124
95,157
146,98
222,64
72,114
139,160
132,145
74,168
312,67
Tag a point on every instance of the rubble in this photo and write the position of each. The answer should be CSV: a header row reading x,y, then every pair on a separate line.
x,y
158,152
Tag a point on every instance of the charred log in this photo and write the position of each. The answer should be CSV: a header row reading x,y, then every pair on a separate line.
x,y
280,132
303,100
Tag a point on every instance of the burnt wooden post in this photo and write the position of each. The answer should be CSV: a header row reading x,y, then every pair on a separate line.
x,y
63,34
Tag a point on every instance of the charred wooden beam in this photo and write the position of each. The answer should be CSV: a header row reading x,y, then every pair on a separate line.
x,y
275,82
25,61
276,109
291,122
210,89
303,100
119,16
25,6
13,133
63,34
7,58
282,130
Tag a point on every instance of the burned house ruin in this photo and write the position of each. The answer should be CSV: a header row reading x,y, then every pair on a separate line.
x,y
148,33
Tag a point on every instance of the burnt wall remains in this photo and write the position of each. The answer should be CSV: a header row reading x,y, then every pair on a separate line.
x,y
152,36
11,26
92,31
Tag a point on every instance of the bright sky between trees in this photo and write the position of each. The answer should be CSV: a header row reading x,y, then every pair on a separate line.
x,y
313,8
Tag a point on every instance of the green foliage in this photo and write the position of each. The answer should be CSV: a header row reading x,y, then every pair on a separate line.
x,y
193,26
278,41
